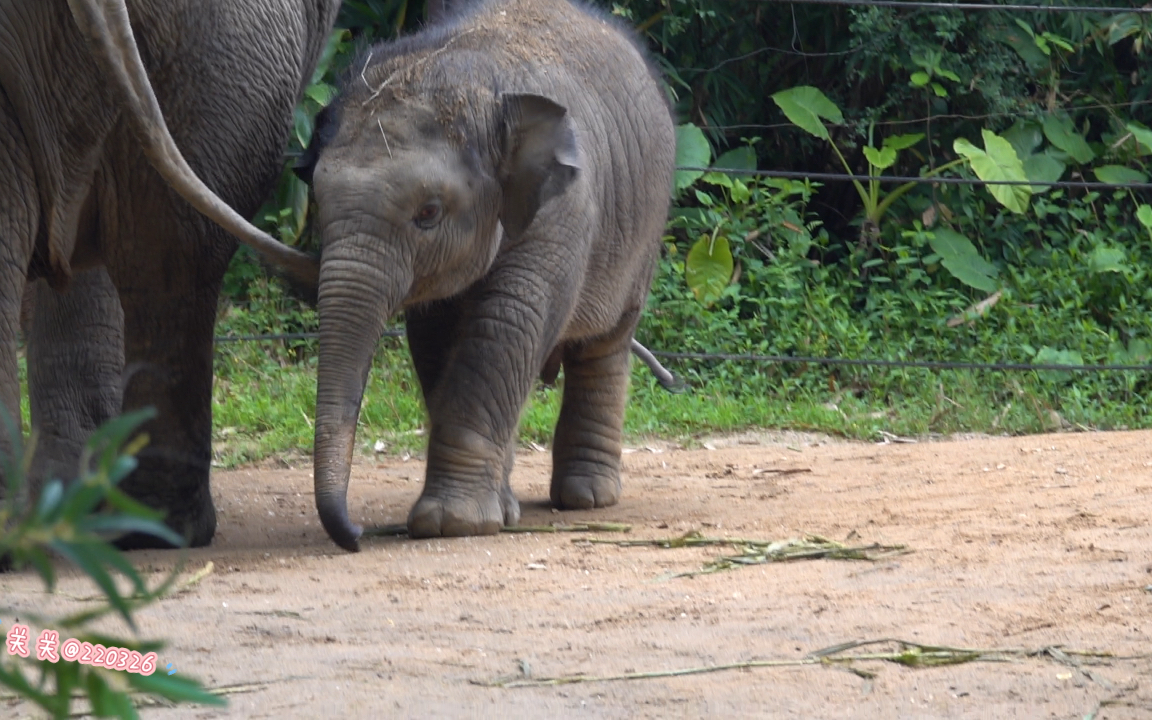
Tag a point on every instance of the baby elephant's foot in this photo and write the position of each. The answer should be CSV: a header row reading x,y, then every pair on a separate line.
x,y
457,514
583,487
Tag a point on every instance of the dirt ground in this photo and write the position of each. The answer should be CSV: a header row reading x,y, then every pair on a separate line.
x,y
1018,543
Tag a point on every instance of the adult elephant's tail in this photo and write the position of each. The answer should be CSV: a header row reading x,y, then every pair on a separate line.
x,y
106,25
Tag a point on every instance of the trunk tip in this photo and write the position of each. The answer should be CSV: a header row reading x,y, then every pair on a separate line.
x,y
343,531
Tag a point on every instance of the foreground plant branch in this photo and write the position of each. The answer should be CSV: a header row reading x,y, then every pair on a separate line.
x,y
906,653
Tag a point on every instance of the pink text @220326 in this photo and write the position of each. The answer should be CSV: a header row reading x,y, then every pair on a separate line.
x,y
49,647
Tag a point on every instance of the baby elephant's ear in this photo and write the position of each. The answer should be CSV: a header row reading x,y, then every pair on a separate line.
x,y
540,157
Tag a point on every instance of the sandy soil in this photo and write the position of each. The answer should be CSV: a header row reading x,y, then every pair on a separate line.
x,y
1026,542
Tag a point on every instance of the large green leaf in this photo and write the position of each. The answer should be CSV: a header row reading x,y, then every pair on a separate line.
x,y
1062,133
1025,137
1042,167
1107,259
880,159
741,158
961,258
805,105
708,268
1119,175
1052,356
1024,44
692,150
1144,215
999,163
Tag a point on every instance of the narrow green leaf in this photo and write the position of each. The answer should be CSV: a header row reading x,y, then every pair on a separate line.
x,y
805,105
708,268
99,524
961,258
109,556
174,688
98,694
1119,175
1062,133
80,555
902,142
49,505
740,192
302,126
692,150
322,93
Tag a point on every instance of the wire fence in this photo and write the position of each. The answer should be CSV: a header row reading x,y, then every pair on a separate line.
x,y
797,175
913,5
780,359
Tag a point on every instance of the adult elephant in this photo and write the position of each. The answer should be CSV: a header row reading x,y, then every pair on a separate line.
x,y
124,274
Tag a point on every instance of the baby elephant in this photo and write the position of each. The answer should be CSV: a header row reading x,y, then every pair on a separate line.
x,y
504,179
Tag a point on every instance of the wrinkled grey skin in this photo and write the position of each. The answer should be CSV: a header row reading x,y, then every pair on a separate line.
x,y
122,275
503,179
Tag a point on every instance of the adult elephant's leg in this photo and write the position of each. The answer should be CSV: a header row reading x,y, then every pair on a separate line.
x,y
226,78
75,365
587,447
19,210
11,288
169,280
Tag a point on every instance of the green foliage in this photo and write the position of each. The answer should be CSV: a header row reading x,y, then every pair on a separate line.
x,y
66,521
795,268
998,162
961,258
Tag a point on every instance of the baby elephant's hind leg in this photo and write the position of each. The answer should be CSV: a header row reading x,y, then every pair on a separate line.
x,y
586,449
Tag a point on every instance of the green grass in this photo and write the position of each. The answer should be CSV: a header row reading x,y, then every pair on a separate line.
x,y
264,402
265,408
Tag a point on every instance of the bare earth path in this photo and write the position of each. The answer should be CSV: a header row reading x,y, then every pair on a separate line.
x,y
1022,542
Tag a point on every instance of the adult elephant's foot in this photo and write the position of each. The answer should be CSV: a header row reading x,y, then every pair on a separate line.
x,y
180,491
585,485
481,511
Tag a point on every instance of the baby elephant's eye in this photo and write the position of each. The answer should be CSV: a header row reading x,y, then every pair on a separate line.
x,y
428,216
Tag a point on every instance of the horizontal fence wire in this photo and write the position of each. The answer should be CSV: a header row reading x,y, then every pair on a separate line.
x,y
913,5
781,359
798,175
225,339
